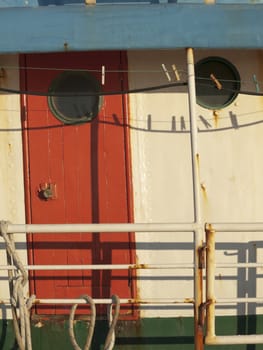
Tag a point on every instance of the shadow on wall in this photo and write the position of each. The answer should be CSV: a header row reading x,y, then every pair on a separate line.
x,y
71,2
59,2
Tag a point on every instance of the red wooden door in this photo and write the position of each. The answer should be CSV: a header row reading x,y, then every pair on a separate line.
x,y
85,168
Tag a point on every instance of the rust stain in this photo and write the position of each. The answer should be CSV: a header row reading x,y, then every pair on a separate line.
x,y
209,228
201,256
188,300
134,301
205,197
136,290
199,331
205,201
139,266
197,156
203,189
216,118
199,336
201,316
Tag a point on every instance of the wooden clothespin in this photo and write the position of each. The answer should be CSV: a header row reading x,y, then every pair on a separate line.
x,y
216,81
166,72
102,75
176,73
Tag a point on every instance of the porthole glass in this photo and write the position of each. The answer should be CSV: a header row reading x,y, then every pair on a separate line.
x,y
69,98
217,82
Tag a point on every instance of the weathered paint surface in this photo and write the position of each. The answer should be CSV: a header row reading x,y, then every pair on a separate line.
x,y
11,165
230,169
88,164
160,26
230,173
148,334
36,3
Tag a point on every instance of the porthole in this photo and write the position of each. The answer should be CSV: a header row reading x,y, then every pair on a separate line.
x,y
69,98
217,82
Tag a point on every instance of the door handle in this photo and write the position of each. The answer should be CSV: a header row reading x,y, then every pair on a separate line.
x,y
47,191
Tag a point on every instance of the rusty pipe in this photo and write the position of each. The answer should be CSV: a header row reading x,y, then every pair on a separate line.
x,y
210,282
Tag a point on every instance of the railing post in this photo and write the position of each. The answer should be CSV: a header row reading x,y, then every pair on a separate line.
x,y
210,282
198,234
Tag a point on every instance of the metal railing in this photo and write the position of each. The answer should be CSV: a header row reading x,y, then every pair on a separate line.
x,y
105,228
197,228
7,230
211,338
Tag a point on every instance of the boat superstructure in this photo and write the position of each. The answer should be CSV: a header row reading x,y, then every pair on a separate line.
x,y
131,175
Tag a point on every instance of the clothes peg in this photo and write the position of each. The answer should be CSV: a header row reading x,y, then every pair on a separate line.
x,y
176,73
216,81
102,75
166,72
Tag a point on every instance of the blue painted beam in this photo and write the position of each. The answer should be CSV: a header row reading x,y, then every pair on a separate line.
x,y
109,27
28,3
35,3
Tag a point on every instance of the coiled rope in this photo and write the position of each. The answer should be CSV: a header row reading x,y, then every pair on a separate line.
x,y
17,283
112,319
74,343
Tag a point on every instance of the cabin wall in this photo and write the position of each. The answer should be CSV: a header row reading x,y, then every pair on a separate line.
x,y
230,160
229,144
12,207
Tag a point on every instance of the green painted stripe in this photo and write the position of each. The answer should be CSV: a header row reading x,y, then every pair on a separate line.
x,y
144,334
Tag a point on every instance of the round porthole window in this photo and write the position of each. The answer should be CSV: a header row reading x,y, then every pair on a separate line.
x,y
217,82
74,97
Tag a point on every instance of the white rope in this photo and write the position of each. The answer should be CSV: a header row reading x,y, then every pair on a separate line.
x,y
74,343
19,302
110,339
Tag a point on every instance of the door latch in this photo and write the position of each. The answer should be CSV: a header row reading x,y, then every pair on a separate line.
x,y
47,191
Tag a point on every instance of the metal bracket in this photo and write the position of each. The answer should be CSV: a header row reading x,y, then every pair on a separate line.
x,y
47,191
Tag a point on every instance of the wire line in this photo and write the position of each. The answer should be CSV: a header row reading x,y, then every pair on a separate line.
x,y
91,93
123,92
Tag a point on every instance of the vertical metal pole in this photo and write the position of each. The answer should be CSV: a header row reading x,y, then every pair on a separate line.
x,y
198,234
210,282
